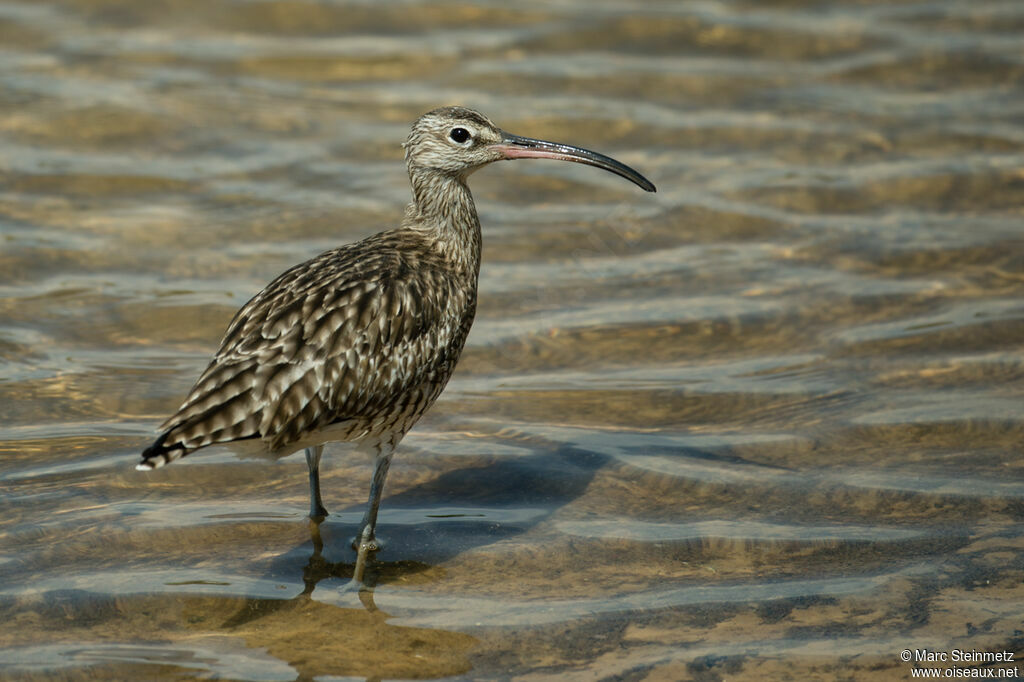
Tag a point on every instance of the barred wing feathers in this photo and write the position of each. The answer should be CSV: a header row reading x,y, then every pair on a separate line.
x,y
355,335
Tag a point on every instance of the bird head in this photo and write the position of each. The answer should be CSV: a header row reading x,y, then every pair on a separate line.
x,y
457,141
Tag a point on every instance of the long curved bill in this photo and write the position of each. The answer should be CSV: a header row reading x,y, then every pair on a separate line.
x,y
515,147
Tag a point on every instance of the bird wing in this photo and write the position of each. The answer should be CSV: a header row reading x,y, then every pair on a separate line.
x,y
344,336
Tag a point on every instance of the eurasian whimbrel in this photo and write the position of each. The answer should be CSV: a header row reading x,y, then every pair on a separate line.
x,y
355,344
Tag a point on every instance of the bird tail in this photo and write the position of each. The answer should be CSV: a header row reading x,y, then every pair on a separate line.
x,y
160,453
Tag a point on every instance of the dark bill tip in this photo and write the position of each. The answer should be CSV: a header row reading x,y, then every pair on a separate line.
x,y
515,147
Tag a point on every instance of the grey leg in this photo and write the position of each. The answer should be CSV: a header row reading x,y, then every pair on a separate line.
x,y
317,512
365,542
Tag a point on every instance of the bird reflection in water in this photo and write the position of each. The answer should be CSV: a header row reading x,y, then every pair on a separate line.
x,y
355,639
356,578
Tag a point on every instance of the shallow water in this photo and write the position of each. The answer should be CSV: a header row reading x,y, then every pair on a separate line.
x,y
763,423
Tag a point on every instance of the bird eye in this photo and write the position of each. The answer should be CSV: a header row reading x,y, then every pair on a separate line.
x,y
459,135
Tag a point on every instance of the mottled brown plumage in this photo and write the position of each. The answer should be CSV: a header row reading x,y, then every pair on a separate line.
x,y
333,341
355,344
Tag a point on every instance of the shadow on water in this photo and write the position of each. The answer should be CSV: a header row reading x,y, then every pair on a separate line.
x,y
194,617
455,512
302,637
317,638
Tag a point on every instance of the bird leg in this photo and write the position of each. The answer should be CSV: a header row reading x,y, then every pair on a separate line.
x,y
365,542
369,522
317,511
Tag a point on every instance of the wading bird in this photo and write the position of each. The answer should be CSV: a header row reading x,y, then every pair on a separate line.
x,y
355,344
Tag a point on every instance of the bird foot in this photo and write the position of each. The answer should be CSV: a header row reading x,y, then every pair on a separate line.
x,y
366,543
